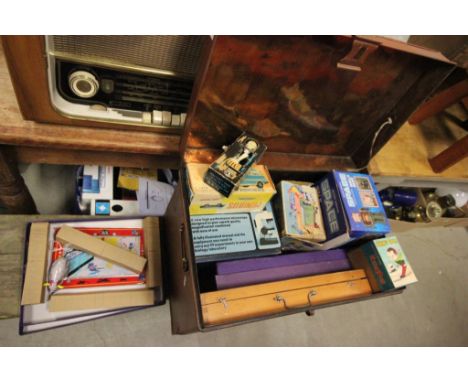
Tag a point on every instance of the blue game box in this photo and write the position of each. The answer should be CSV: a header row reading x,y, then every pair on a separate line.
x,y
351,206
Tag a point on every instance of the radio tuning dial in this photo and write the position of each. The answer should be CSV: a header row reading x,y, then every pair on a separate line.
x,y
83,84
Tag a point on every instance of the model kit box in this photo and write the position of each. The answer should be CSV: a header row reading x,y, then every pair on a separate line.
x,y
254,192
351,206
233,236
299,208
225,173
385,263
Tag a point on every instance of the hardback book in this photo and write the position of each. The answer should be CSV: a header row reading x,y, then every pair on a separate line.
x,y
247,265
280,273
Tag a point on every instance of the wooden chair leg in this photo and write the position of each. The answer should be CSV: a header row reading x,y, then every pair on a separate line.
x,y
450,156
440,102
14,195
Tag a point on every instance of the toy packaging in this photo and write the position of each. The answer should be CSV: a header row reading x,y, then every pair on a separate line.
x,y
254,192
233,236
225,173
299,208
351,207
385,263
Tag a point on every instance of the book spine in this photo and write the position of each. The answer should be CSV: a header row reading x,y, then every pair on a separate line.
x,y
247,265
281,273
377,267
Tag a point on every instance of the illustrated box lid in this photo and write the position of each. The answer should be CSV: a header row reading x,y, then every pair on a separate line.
x,y
318,102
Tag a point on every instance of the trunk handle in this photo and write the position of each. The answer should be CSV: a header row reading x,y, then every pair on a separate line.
x,y
311,294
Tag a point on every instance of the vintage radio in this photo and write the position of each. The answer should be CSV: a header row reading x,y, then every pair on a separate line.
x,y
319,104
137,82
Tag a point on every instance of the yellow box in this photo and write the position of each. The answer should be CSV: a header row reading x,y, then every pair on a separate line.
x,y
255,190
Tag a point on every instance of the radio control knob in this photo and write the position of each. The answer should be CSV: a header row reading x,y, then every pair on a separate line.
x,y
83,84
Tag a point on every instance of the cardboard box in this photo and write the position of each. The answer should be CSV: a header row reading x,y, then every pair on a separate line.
x,y
234,236
101,300
73,305
97,247
452,222
385,264
154,276
36,265
255,190
351,207
299,209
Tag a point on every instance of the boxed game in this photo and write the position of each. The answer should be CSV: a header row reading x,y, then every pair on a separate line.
x,y
254,191
225,172
385,264
233,236
78,270
299,208
351,207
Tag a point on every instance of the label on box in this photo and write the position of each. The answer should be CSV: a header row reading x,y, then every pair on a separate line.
x,y
223,233
265,228
332,210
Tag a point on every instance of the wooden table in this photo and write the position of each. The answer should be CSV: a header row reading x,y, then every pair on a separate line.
x,y
30,142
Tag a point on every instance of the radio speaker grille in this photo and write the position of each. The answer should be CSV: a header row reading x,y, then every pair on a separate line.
x,y
178,54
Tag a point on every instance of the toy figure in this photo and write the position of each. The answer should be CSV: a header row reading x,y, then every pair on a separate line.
x,y
232,166
397,258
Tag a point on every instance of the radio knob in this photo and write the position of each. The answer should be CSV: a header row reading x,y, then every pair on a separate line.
x,y
83,84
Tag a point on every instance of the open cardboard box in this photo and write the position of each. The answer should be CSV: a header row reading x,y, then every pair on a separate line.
x,y
40,310
403,226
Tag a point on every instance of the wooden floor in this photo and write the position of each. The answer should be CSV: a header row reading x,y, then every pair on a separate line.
x,y
406,154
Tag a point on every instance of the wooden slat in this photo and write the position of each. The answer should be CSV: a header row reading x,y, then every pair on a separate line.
x,y
25,154
440,102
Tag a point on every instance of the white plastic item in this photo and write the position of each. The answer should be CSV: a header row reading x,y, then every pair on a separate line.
x,y
460,195
58,272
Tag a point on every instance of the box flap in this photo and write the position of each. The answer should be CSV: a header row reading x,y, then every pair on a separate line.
x,y
101,300
36,265
154,276
317,102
